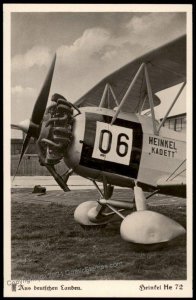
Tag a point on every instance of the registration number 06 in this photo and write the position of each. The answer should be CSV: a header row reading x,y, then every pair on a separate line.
x,y
113,143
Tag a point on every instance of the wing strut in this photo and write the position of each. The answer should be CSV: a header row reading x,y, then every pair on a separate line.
x,y
142,67
150,99
102,102
127,92
114,96
108,89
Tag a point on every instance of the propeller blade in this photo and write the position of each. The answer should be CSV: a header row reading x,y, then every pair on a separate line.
x,y
13,126
23,126
41,102
24,148
37,114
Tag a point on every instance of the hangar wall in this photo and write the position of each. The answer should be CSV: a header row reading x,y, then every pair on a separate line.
x,y
30,163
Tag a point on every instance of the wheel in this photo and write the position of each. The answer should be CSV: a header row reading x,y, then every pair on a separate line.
x,y
81,216
149,227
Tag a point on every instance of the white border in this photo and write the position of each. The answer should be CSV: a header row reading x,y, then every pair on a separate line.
x,y
97,7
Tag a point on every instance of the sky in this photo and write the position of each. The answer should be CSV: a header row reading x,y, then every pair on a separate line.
x,y
89,46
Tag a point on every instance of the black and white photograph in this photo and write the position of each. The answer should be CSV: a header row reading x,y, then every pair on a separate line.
x,y
97,150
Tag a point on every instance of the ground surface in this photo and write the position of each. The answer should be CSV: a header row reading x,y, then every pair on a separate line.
x,y
48,244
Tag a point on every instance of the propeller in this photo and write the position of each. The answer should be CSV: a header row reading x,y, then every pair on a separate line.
x,y
32,126
24,126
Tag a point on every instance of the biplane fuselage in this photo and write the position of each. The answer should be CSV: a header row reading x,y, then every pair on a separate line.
x,y
123,152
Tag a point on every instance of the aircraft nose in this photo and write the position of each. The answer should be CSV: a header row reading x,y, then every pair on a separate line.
x,y
56,132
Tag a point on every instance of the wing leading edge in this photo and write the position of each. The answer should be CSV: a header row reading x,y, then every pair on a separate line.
x,y
166,67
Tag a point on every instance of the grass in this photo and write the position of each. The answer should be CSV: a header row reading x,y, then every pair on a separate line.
x,y
48,244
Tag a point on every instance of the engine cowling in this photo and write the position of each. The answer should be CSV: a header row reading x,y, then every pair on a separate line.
x,y
56,132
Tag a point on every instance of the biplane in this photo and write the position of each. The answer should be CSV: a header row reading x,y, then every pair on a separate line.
x,y
105,136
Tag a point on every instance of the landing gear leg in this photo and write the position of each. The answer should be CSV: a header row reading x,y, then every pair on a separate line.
x,y
89,214
82,215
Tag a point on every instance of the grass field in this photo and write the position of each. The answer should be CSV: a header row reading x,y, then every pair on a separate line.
x,y
48,244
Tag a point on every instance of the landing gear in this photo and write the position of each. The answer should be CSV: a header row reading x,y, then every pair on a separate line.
x,y
87,215
93,214
148,227
142,227
101,212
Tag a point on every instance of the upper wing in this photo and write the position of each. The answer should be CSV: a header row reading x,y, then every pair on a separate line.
x,y
166,67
